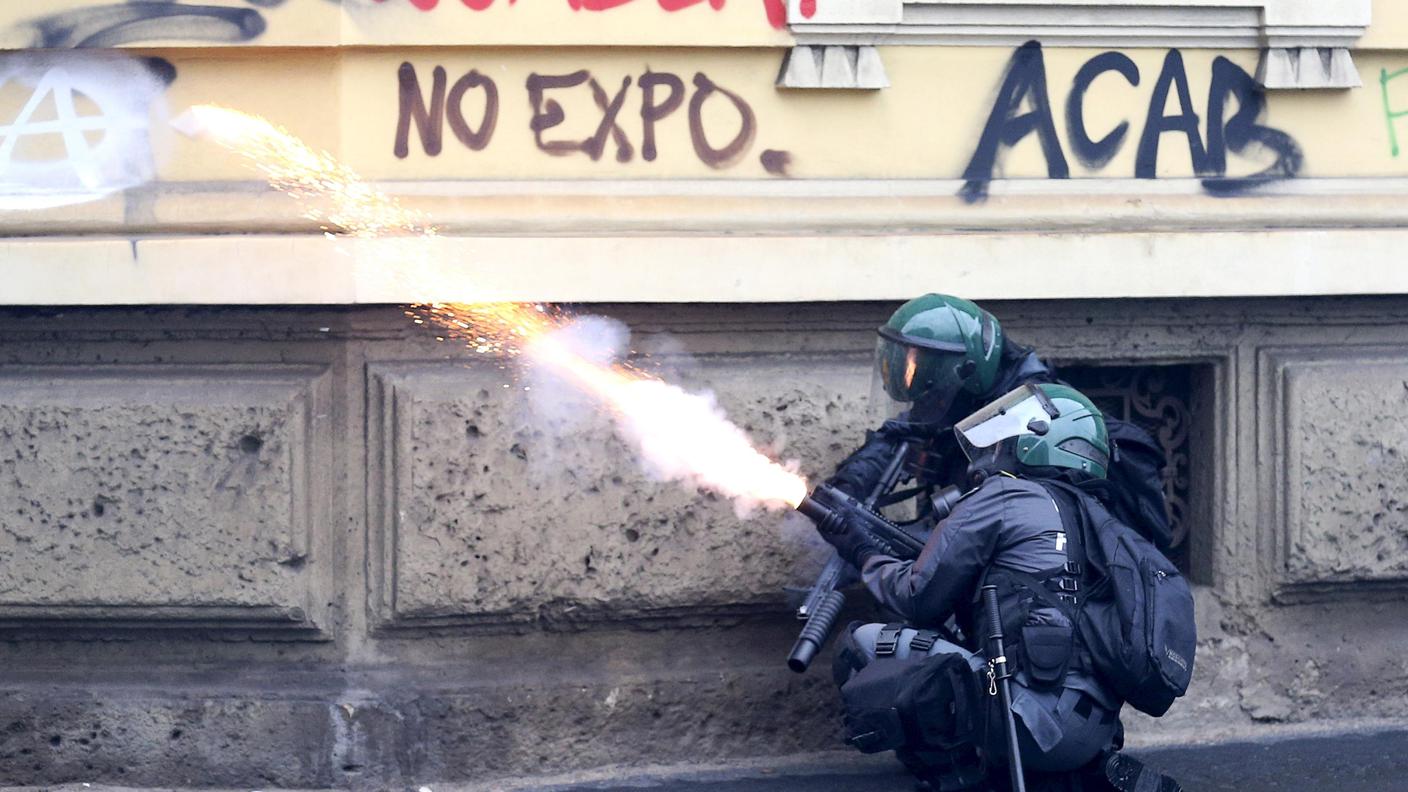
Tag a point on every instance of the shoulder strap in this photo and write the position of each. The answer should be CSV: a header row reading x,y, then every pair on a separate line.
x,y
1073,520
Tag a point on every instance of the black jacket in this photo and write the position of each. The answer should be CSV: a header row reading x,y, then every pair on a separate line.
x,y
1007,522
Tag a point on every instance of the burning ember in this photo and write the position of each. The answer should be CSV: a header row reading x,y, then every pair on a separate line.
x,y
682,436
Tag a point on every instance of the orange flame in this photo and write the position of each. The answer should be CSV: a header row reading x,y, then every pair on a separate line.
x,y
682,435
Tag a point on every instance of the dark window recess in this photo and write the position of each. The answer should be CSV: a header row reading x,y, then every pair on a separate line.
x,y
1169,401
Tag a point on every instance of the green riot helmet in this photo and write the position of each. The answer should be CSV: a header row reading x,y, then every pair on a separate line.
x,y
934,349
1036,426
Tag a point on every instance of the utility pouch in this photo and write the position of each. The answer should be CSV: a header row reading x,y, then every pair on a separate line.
x,y
874,730
871,700
943,700
917,702
1047,650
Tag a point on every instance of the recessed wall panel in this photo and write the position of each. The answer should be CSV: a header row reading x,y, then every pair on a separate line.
x,y
161,494
1345,469
505,506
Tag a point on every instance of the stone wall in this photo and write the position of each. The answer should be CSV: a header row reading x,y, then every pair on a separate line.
x,y
311,547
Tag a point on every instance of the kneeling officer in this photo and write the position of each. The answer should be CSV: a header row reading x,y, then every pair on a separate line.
x,y
1006,531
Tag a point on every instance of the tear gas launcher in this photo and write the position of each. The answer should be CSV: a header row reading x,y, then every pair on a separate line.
x,y
831,509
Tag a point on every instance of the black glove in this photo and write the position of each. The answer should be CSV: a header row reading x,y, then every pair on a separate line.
x,y
858,473
853,543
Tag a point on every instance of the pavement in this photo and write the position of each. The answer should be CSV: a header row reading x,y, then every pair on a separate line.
x,y
1370,760
1324,763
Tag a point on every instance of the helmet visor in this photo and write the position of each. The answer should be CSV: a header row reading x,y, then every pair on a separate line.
x,y
918,372
1006,417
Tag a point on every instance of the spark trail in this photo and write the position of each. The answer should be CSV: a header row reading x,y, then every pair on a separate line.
x,y
682,436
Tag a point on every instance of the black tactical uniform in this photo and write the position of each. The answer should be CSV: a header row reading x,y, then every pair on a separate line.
x,y
1006,523
1024,448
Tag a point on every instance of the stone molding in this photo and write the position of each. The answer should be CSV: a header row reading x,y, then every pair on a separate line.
x,y
745,206
716,268
1305,45
1083,23
833,66
1307,68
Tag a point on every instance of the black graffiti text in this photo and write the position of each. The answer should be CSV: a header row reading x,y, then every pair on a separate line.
x,y
1024,85
430,118
722,125
661,95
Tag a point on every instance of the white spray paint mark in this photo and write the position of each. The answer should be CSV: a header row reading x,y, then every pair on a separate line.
x,y
106,147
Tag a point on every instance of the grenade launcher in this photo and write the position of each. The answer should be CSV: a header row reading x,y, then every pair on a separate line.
x,y
830,508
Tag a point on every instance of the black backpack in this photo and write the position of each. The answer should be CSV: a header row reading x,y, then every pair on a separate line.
x,y
1134,614
1136,479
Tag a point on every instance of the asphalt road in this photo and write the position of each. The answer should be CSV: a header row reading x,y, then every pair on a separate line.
x,y
1350,763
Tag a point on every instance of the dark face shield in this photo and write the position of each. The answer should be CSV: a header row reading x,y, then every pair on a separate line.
x,y
917,375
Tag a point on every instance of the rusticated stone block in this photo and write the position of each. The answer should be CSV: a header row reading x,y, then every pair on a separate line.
x,y
141,738
492,514
151,495
1346,461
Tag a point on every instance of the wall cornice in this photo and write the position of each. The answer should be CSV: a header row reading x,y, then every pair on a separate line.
x,y
1306,44
1084,23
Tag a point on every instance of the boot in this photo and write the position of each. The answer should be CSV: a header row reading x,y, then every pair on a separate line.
x,y
960,770
1127,774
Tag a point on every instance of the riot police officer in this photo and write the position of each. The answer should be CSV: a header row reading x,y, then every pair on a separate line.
x,y
1008,528
937,358
941,357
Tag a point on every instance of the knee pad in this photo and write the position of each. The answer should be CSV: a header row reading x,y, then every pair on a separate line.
x,y
849,656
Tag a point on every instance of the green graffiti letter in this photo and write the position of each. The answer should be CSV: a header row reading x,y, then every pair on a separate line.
x,y
1390,115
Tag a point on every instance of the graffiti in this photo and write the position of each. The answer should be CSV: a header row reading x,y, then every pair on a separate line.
x,y
549,114
730,152
77,129
430,122
119,24
1391,116
576,5
1241,133
775,10
1026,78
721,141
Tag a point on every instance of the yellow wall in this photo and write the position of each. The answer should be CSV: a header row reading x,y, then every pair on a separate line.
x,y
866,186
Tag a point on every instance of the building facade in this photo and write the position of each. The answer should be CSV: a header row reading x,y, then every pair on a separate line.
x,y
259,528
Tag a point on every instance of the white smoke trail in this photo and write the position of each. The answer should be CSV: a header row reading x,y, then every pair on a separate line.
x,y
679,436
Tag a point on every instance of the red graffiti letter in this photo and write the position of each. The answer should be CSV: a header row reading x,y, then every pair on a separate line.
x,y
424,5
595,5
677,5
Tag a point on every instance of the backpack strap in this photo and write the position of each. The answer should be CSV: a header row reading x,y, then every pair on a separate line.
x,y
1074,519
1070,502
